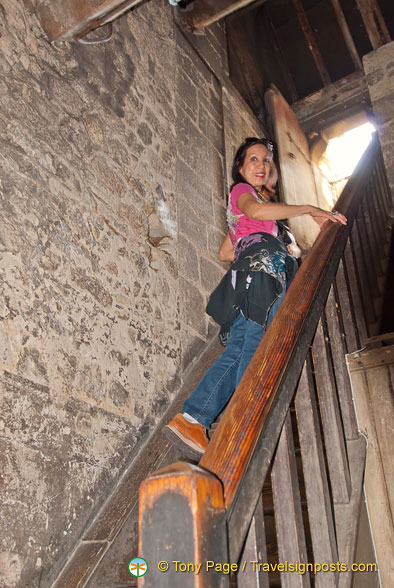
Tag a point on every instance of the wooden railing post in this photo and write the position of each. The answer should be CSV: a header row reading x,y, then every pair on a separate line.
x,y
345,309
321,517
331,420
338,352
182,529
287,500
255,550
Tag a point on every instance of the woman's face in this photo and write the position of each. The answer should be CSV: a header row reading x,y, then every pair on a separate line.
x,y
256,166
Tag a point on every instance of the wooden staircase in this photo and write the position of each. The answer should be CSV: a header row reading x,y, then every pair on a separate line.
x,y
219,510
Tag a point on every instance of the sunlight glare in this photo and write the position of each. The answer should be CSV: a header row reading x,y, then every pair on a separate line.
x,y
343,153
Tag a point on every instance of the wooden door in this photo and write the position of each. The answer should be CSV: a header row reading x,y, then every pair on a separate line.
x,y
296,169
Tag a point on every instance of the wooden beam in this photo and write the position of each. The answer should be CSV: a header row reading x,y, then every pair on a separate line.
x,y
312,43
339,100
206,12
64,20
374,23
283,64
346,34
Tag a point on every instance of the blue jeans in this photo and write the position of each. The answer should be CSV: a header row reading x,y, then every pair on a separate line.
x,y
217,386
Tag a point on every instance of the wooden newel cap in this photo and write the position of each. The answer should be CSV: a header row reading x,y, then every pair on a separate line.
x,y
181,519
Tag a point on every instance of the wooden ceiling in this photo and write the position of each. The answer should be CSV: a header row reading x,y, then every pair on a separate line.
x,y
303,46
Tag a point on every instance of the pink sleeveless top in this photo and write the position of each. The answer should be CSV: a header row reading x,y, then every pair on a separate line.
x,y
241,225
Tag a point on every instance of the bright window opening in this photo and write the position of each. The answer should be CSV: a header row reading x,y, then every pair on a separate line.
x,y
341,157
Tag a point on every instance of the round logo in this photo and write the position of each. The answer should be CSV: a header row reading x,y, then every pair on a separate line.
x,y
138,567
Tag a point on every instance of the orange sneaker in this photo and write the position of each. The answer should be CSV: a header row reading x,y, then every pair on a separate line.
x,y
186,435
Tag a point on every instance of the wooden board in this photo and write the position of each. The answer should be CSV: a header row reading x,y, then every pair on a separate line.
x,y
288,512
316,484
65,19
338,351
206,12
255,550
372,376
297,178
331,420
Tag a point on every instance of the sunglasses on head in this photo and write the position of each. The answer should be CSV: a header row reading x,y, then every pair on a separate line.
x,y
269,144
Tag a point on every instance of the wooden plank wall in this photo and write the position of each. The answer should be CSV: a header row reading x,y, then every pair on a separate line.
x,y
372,376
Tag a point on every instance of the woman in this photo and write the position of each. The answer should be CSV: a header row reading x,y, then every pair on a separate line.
x,y
249,294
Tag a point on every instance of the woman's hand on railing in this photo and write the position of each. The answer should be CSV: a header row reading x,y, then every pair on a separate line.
x,y
321,216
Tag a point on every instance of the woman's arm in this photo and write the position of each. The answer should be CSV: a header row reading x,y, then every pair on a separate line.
x,y
226,252
277,211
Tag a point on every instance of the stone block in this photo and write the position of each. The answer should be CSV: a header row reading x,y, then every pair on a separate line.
x,y
145,134
383,108
106,175
193,188
212,52
211,274
193,147
377,70
91,285
192,304
135,218
374,77
118,395
188,259
209,98
192,346
191,225
211,127
189,61
162,127
390,69
216,34
388,152
186,93
215,240
220,210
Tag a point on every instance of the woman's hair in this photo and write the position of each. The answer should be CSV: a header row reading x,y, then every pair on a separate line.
x,y
241,153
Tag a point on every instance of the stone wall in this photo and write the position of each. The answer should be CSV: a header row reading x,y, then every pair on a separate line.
x,y
379,70
113,190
